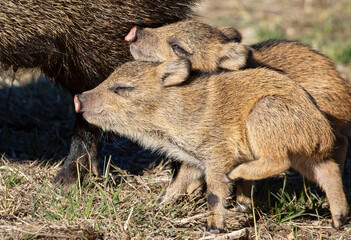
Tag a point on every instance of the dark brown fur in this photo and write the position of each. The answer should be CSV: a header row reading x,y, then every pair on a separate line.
x,y
77,44
212,123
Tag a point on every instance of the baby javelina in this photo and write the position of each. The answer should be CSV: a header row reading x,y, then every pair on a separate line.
x,y
212,123
211,49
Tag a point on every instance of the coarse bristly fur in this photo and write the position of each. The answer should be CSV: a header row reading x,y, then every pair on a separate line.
x,y
214,49
78,44
247,120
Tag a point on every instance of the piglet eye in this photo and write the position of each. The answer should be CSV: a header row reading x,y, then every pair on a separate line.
x,y
177,48
122,89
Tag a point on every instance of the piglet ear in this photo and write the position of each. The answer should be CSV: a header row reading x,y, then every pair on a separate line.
x,y
234,56
231,33
173,72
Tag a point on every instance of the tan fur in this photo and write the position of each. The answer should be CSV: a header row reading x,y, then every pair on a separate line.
x,y
212,49
213,123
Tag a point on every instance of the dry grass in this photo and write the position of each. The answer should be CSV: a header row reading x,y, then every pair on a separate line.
x,y
115,206
36,123
119,205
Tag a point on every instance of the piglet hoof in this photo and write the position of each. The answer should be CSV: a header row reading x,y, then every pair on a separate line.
x,y
165,199
242,208
338,221
212,230
160,199
215,224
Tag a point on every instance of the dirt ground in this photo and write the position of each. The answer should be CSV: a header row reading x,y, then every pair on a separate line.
x,y
36,121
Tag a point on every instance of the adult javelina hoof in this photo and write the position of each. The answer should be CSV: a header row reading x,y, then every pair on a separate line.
x,y
78,44
82,157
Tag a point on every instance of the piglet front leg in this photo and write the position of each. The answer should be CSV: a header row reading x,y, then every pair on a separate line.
x,y
217,192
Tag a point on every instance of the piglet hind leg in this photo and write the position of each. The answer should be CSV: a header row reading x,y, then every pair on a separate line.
x,y
327,175
82,157
261,168
243,174
243,195
324,172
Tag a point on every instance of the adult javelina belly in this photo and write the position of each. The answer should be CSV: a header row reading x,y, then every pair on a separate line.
x,y
78,44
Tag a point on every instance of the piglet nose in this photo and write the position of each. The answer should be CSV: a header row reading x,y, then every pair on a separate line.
x,y
132,35
77,105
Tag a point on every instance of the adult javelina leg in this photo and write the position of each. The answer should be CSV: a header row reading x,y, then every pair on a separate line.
x,y
77,44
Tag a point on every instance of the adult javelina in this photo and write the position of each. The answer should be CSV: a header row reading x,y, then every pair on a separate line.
x,y
77,44
212,123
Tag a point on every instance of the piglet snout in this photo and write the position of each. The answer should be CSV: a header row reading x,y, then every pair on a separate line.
x,y
132,35
77,104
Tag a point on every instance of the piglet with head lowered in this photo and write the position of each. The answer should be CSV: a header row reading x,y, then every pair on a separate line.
x,y
212,123
215,49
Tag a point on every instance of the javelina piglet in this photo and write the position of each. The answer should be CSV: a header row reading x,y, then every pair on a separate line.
x,y
211,49
212,123
78,44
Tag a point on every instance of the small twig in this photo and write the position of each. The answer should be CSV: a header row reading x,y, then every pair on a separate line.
x,y
107,167
131,186
37,234
78,173
228,236
305,189
89,157
253,213
142,182
58,164
126,224
189,219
